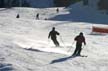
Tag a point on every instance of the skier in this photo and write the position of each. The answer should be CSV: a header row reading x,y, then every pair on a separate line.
x,y
57,10
18,16
45,19
79,40
53,34
37,16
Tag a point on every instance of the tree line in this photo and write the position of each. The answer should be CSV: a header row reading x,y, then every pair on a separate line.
x,y
13,3
25,3
60,3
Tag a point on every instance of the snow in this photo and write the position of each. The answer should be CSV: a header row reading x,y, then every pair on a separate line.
x,y
25,46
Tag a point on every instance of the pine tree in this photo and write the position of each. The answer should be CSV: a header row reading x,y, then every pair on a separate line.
x,y
1,3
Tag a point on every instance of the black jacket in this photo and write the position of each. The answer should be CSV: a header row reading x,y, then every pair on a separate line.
x,y
80,39
53,34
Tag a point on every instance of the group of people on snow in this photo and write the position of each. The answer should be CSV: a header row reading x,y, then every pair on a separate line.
x,y
53,35
37,15
79,40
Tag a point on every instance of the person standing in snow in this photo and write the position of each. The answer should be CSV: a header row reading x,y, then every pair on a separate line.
x,y
79,40
37,16
18,16
57,10
53,34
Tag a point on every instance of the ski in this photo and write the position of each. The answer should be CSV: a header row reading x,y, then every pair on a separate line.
x,y
83,56
79,56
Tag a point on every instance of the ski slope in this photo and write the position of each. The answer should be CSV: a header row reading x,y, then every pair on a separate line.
x,y
24,43
80,13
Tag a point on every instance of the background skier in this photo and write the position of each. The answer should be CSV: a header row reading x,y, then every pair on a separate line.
x,y
53,34
37,16
18,16
57,10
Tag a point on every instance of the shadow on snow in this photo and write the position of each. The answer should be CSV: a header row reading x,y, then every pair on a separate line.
x,y
66,58
6,67
61,59
82,14
35,50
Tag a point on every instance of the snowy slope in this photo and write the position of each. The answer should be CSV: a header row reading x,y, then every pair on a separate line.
x,y
30,13
24,44
80,13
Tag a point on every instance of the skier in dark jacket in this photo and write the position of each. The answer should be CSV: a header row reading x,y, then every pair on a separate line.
x,y
53,34
79,40
37,16
57,10
18,16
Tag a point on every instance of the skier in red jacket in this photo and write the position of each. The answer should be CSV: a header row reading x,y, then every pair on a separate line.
x,y
79,40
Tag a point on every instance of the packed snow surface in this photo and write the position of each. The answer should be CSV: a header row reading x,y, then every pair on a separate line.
x,y
24,43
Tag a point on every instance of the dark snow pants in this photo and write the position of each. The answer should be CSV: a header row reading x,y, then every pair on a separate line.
x,y
78,49
55,41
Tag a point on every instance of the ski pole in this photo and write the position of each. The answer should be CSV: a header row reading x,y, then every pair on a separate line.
x,y
83,46
48,41
62,40
71,46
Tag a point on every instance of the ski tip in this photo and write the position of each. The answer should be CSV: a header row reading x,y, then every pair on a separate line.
x,y
79,56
